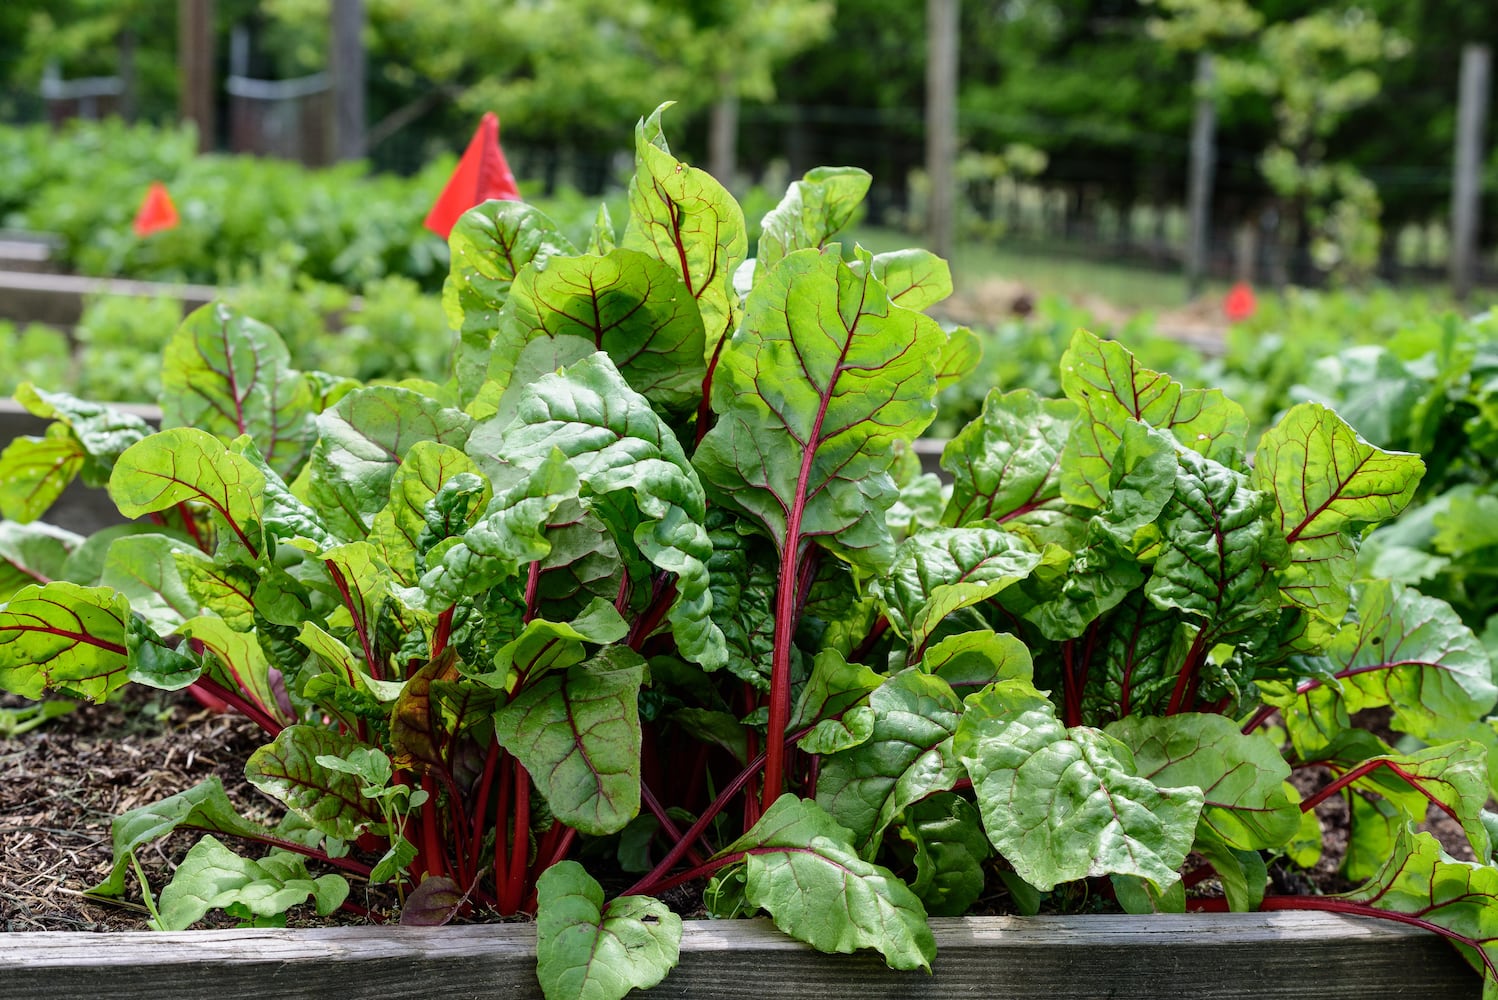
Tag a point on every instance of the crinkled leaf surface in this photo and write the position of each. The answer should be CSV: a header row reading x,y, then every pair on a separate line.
x,y
1006,466
801,867
1113,389
228,374
943,570
814,209
950,850
590,950
906,757
360,443
330,800
214,877
1326,482
1063,804
1410,652
634,476
682,216
284,515
1242,776
509,534
490,245
628,304
397,530
578,734
65,638
1222,549
1137,653
822,379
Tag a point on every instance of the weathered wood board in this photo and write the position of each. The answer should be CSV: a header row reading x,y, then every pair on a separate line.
x,y
1275,956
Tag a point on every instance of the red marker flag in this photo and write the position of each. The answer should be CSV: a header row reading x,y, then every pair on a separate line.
x,y
1239,304
156,212
482,174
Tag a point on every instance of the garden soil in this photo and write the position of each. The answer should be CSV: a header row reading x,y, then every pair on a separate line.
x,y
65,781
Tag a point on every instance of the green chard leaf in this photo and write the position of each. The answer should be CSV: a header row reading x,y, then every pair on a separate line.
x,y
188,465
212,877
578,734
35,470
1454,776
401,532
284,515
1113,389
634,476
682,216
1062,805
508,535
944,570
85,438
362,441
1327,482
143,568
590,950
907,756
814,209
950,850
1006,466
204,806
33,554
743,587
1456,899
918,279
813,392
490,245
65,638
241,663
797,857
627,304
969,661
230,375
1222,550
330,800
1243,778
1406,651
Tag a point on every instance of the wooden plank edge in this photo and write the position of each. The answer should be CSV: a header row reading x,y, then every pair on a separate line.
x,y
43,949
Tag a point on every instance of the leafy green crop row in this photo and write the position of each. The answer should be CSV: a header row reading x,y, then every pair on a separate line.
x,y
654,579
344,225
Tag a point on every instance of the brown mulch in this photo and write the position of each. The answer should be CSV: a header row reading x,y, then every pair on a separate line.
x,y
66,780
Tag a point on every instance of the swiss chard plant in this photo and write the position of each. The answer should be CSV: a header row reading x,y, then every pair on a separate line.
x,y
654,585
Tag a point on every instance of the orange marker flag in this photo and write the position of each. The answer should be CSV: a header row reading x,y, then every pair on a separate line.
x,y
156,212
482,174
1239,304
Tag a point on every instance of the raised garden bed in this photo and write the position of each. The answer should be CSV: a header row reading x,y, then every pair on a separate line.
x,y
1276,955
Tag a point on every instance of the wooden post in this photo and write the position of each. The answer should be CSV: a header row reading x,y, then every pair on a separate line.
x,y
195,68
1199,190
941,123
348,79
1466,187
723,134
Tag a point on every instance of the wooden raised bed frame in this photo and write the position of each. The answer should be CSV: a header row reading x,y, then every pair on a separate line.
x,y
1275,956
